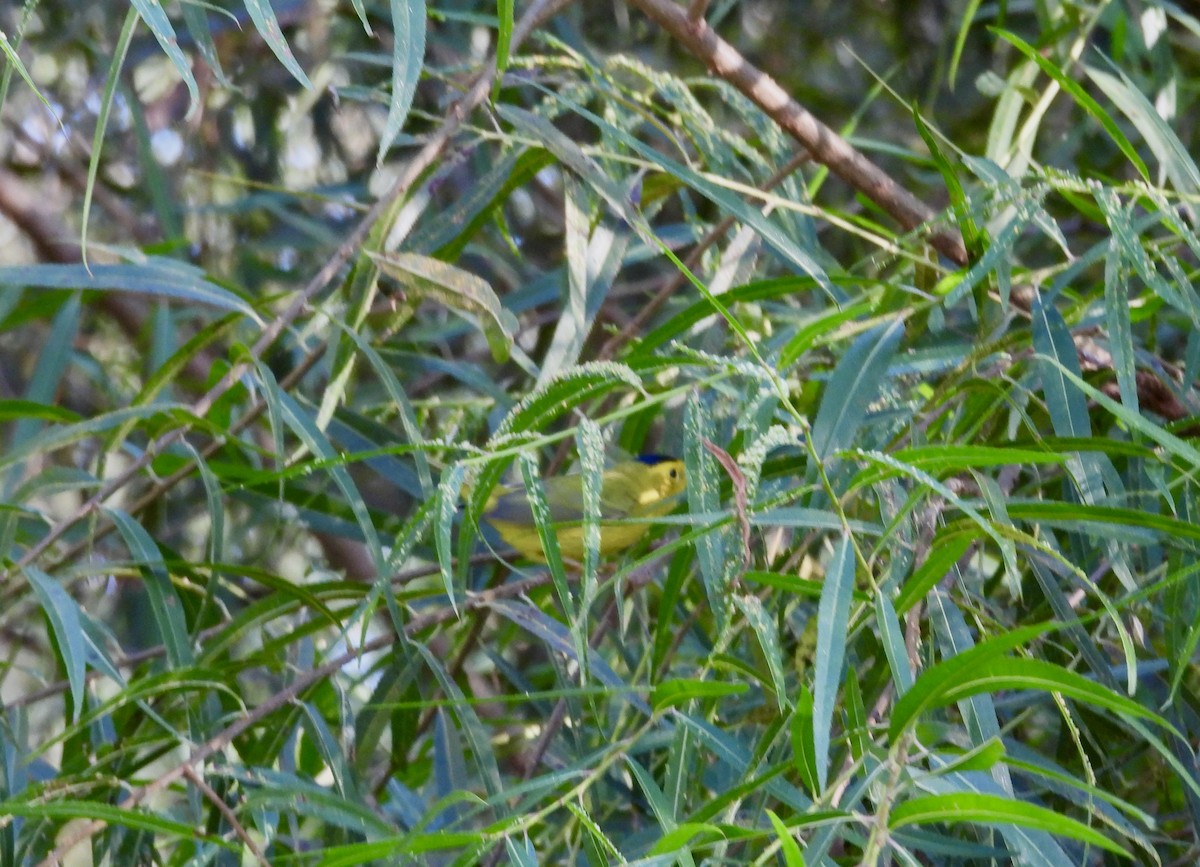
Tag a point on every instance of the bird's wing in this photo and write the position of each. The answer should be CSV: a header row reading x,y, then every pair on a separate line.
x,y
619,499
563,496
511,505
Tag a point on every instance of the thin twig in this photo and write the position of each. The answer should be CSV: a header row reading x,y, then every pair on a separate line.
x,y
198,781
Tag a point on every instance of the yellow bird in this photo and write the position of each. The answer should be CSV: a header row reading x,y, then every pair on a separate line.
x,y
641,488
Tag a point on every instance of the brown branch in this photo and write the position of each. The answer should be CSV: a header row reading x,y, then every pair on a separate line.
x,y
205,789
825,145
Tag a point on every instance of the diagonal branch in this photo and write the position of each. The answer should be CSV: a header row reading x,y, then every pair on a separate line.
x,y
436,145
825,145
224,809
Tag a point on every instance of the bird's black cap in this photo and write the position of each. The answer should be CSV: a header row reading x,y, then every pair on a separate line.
x,y
652,460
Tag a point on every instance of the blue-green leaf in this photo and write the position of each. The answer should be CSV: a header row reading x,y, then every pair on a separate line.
x,y
833,618
267,24
408,55
856,382
66,623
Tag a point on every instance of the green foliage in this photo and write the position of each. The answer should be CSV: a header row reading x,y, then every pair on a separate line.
x,y
933,596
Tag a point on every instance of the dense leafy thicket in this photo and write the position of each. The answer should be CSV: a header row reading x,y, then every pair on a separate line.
x,y
288,288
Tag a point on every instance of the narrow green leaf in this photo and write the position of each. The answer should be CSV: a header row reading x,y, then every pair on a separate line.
x,y
449,491
833,618
1097,659
14,410
52,364
1065,403
728,750
152,12
804,751
119,817
154,16
594,257
999,250
543,520
300,420
659,805
952,681
53,439
14,63
573,388
408,56
590,445
951,457
807,587
476,735
268,28
459,290
825,324
1171,153
1125,525
855,383
946,550
448,231
155,277
504,33
1081,96
558,640
954,638
703,496
892,640
320,735
164,601
680,691
360,9
1004,544
195,18
767,634
684,838
66,623
415,843
973,239
568,151
960,40
1133,254
995,810
792,856
935,679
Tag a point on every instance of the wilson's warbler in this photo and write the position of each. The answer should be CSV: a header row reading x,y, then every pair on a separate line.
x,y
640,488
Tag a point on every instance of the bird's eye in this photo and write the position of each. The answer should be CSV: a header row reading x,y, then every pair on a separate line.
x,y
674,472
